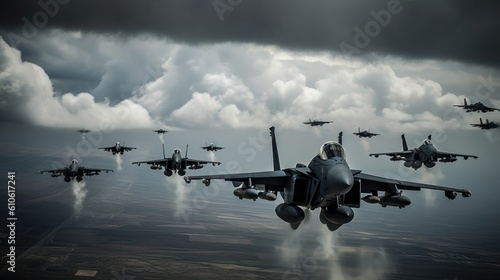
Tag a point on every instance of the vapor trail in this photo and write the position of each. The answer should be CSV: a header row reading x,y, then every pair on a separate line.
x,y
79,191
365,144
119,162
181,193
161,138
211,156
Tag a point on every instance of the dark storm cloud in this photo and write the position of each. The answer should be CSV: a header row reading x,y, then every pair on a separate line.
x,y
465,31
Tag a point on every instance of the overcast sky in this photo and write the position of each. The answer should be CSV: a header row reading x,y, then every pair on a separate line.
x,y
225,71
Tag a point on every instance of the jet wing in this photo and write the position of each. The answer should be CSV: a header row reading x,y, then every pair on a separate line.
x,y
107,149
273,180
128,148
372,134
393,154
94,171
55,171
491,109
371,183
445,155
162,162
190,161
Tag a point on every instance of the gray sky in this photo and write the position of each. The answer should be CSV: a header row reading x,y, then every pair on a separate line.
x,y
124,68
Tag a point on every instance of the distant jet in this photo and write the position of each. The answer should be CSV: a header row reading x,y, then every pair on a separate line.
x,y
476,107
327,184
83,130
176,163
487,125
117,148
365,133
426,154
160,131
212,147
75,171
316,122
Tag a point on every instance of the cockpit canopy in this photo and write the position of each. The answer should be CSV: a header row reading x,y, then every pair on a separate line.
x,y
177,151
331,149
427,142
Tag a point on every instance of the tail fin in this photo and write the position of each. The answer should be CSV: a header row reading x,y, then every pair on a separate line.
x,y
405,146
276,159
163,147
187,146
465,102
340,137
487,121
359,130
481,120
429,137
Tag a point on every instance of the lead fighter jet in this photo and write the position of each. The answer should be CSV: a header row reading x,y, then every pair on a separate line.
x,y
425,154
176,163
75,171
117,148
326,183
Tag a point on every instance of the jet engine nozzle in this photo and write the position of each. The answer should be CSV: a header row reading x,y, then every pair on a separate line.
x,y
67,179
429,164
339,215
416,164
290,213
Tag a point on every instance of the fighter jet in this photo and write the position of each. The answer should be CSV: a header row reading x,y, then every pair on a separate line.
x,y
83,130
316,122
365,133
212,147
160,131
476,107
326,183
487,125
176,163
425,154
117,148
75,171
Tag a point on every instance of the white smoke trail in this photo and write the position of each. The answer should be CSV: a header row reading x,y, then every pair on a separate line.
x,y
317,131
79,192
119,162
365,144
211,156
83,136
181,192
431,177
329,256
161,138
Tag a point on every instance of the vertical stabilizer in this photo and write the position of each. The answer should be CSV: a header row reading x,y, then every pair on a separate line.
x,y
465,102
481,120
405,146
340,137
187,146
276,159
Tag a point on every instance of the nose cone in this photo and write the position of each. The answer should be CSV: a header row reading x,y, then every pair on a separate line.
x,y
339,180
